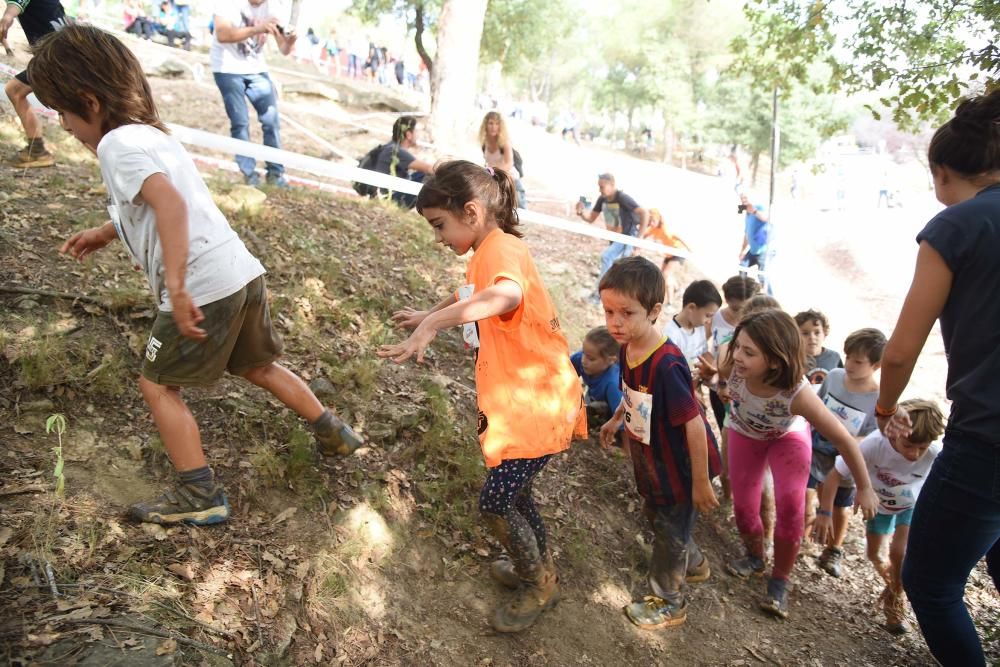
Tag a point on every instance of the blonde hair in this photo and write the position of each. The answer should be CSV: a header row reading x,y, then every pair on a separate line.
x,y
926,418
503,138
655,218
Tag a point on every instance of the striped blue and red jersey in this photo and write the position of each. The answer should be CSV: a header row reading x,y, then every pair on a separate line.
x,y
663,467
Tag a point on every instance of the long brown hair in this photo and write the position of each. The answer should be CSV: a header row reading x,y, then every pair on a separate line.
x,y
503,138
81,59
777,337
454,184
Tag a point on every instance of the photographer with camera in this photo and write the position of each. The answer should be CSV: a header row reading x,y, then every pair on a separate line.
x,y
756,239
240,71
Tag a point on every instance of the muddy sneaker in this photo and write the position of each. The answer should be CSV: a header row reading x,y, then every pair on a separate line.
x,y
776,600
502,571
745,567
538,593
279,182
31,156
654,613
186,503
895,611
830,560
339,440
698,573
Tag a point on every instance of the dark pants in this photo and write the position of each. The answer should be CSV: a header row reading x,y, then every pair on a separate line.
x,y
760,261
955,523
406,200
673,549
510,512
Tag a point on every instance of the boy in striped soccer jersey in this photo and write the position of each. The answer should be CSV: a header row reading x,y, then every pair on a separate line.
x,y
674,453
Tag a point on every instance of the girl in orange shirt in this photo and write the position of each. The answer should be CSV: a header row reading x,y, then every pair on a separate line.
x,y
530,401
657,231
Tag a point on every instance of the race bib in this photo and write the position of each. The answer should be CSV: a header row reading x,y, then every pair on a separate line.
x,y
896,499
470,334
638,413
851,418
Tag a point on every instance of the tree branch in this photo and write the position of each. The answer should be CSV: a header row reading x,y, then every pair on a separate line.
x,y
17,289
419,38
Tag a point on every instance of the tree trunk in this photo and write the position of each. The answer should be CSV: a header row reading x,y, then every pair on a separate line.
x,y
754,163
453,82
418,39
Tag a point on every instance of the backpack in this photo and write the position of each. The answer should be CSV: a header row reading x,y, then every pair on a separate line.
x,y
368,162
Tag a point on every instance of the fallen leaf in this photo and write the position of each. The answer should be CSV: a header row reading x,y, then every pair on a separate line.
x,y
285,514
155,531
318,653
167,647
5,534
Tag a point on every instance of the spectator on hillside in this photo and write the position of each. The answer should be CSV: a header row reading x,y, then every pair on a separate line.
x,y
333,52
756,248
499,153
395,159
356,50
622,214
240,71
183,8
136,21
168,23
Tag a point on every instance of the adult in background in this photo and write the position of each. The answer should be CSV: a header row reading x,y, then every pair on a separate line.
x,y
240,70
622,214
395,159
755,250
498,152
956,520
37,18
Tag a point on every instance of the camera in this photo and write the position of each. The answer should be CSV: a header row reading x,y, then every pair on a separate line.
x,y
741,208
281,29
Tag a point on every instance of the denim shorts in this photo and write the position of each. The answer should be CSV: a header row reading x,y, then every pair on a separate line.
x,y
885,524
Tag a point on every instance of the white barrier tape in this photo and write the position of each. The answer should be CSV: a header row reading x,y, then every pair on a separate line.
x,y
342,172
216,163
313,136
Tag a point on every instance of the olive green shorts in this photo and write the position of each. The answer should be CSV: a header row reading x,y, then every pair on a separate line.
x,y
240,337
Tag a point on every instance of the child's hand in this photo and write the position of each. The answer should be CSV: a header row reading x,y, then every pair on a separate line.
x,y
868,502
897,425
579,207
608,432
187,315
704,497
724,394
408,318
822,529
83,243
414,345
706,366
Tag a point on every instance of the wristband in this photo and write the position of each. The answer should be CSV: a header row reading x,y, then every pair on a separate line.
x,y
882,412
823,512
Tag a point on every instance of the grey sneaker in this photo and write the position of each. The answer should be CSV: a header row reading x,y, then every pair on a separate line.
x,y
279,182
776,600
831,560
186,503
340,441
655,612
745,567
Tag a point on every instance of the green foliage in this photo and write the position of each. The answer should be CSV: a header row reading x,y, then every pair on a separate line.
x,y
519,34
921,57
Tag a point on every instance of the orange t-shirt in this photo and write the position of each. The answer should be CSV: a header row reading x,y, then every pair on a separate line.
x,y
530,400
661,235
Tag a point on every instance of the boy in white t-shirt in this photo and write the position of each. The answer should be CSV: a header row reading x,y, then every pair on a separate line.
x,y
212,303
688,328
897,468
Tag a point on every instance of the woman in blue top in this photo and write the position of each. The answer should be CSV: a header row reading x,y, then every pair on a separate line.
x,y
957,517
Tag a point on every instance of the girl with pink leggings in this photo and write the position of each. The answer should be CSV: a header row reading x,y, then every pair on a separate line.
x,y
771,403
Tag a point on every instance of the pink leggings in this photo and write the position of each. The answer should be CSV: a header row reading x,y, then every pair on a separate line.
x,y
789,457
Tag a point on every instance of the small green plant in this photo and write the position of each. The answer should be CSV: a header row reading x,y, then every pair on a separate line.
x,y
57,424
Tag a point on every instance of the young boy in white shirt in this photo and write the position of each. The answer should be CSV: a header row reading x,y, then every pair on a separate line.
x,y
688,329
897,468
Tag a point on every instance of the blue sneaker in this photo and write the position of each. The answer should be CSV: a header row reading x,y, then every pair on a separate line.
x,y
253,180
186,503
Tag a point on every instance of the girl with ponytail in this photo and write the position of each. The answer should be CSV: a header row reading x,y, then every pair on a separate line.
x,y
529,396
956,520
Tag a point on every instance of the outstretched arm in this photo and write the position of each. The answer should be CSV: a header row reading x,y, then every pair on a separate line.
x,y
499,299
928,293
809,405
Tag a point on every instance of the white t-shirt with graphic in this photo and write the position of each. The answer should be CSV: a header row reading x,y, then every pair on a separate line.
x,y
895,480
760,417
246,57
218,264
